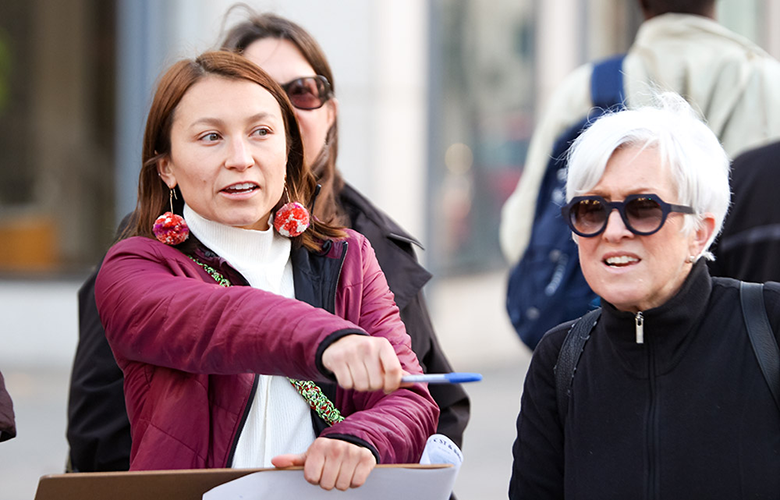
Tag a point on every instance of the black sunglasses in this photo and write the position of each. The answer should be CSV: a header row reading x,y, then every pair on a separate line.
x,y
643,214
310,92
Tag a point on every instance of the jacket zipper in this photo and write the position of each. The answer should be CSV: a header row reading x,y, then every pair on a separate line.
x,y
652,434
331,306
241,424
640,328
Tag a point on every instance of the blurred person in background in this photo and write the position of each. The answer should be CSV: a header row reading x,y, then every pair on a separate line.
x,y
222,308
748,249
668,398
294,59
679,47
7,421
98,428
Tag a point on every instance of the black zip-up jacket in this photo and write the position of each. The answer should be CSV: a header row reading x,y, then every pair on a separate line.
x,y
98,429
688,414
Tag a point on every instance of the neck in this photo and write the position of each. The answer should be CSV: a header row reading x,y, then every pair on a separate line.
x,y
262,257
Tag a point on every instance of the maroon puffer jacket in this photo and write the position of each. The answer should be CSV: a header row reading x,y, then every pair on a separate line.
x,y
189,350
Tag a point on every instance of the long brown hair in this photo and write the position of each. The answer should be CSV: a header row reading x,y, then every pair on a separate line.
x,y
261,26
153,193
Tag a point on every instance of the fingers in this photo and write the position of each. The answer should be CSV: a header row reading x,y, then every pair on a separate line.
x,y
333,463
289,460
406,384
392,368
364,363
363,469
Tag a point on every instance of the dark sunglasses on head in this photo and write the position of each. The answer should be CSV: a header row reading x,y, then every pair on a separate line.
x,y
310,92
643,214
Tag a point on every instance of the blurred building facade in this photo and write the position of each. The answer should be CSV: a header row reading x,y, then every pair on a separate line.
x,y
438,100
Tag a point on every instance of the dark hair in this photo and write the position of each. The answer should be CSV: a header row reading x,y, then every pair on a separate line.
x,y
153,193
696,7
260,26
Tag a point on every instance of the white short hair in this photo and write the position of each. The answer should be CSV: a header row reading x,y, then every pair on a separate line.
x,y
697,161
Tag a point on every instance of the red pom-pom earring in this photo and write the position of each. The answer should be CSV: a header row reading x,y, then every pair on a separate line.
x,y
171,228
292,219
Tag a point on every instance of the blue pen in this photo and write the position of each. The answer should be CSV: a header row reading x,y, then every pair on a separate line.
x,y
443,378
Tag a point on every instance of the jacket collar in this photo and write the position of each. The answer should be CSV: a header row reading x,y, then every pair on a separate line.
x,y
315,275
668,329
676,26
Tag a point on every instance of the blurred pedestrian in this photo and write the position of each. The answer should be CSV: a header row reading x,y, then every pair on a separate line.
x,y
98,428
748,249
7,421
664,397
681,48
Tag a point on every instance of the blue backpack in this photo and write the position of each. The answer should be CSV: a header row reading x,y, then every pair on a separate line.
x,y
547,287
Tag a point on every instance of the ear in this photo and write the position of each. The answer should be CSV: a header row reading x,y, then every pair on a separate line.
x,y
164,165
333,111
702,235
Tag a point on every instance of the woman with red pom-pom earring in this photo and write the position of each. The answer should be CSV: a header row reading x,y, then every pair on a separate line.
x,y
98,428
238,332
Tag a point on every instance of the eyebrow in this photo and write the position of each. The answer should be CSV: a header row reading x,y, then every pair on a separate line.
x,y
208,120
629,192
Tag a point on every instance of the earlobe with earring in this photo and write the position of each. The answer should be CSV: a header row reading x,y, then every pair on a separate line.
x,y
171,228
691,259
292,219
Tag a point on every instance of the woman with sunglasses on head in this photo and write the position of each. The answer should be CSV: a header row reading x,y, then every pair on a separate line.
x,y
98,428
666,398
224,300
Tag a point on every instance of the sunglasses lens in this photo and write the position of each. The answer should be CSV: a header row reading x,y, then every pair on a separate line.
x,y
588,216
644,214
307,93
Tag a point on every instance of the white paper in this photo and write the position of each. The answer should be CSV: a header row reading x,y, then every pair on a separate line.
x,y
439,449
384,483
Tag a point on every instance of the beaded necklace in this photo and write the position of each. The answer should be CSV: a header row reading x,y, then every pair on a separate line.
x,y
310,391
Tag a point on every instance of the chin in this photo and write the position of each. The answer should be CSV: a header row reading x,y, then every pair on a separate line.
x,y
623,300
248,221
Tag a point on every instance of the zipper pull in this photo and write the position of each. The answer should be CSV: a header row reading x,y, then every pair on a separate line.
x,y
640,328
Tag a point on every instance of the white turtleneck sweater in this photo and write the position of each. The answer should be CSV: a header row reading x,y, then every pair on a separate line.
x,y
279,419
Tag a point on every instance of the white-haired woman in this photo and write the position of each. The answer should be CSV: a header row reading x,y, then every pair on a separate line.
x,y
668,399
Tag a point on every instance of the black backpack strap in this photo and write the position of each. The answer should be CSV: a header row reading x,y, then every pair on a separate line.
x,y
761,336
569,356
606,83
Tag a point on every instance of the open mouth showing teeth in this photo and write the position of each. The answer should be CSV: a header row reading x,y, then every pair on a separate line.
x,y
623,260
245,187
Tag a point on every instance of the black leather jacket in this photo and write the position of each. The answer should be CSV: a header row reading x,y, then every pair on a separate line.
x,y
406,278
98,428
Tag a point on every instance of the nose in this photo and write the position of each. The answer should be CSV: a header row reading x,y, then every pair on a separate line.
x,y
239,156
615,229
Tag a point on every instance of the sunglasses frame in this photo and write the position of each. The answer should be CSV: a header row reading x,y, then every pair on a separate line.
x,y
324,96
620,206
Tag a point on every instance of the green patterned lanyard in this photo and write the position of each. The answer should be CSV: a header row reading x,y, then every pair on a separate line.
x,y
310,391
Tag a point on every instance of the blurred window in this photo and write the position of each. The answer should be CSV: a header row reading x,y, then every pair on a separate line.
x,y
56,134
481,119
